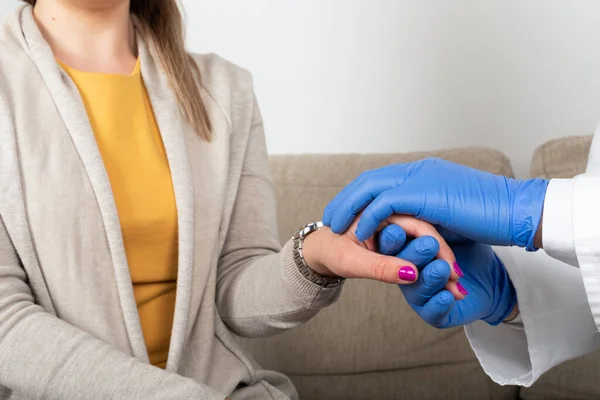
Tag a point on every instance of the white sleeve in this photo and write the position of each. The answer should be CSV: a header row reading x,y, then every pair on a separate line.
x,y
571,227
557,232
586,229
557,324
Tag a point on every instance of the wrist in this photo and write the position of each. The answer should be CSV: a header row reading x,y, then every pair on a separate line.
x,y
509,311
528,205
505,295
513,314
312,251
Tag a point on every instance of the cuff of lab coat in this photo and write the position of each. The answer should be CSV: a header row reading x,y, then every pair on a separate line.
x,y
586,223
557,324
557,234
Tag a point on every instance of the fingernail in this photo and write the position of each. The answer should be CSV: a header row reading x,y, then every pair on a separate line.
x,y
461,289
458,270
407,274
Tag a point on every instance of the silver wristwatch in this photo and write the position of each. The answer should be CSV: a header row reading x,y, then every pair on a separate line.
x,y
305,270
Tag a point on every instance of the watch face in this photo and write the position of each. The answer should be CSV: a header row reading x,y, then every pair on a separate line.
x,y
309,229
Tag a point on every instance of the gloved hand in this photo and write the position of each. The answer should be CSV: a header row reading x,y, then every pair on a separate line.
x,y
477,205
491,295
333,255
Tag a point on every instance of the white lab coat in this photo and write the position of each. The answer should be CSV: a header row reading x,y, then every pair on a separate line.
x,y
558,289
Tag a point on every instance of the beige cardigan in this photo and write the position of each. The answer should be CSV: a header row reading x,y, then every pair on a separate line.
x,y
69,327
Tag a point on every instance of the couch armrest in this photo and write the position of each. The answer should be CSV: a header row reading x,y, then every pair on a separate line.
x,y
561,158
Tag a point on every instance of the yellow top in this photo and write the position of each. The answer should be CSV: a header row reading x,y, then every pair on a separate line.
x,y
127,134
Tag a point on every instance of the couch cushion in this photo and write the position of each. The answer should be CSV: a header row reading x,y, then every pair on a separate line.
x,y
453,381
576,379
370,335
561,158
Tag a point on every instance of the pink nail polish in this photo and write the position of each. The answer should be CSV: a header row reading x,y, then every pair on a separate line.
x,y
407,274
461,289
458,270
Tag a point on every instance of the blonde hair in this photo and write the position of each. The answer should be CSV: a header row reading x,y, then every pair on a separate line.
x,y
162,21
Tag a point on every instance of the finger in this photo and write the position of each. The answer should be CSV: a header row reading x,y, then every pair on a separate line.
x,y
334,204
360,186
391,240
436,311
395,201
457,289
361,192
357,262
352,204
421,251
432,281
417,228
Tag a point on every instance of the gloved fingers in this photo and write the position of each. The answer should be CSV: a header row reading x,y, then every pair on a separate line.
x,y
432,280
417,228
391,240
344,208
394,201
436,311
420,251
333,205
360,187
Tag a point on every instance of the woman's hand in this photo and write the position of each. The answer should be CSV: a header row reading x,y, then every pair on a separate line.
x,y
344,255
492,297
477,205
426,245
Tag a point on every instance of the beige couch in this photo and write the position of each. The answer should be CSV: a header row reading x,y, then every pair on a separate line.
x,y
370,344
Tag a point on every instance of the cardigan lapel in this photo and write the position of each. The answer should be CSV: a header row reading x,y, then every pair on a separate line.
x,y
173,130
199,170
72,110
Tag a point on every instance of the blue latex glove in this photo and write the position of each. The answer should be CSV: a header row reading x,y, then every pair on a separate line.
x,y
491,297
477,205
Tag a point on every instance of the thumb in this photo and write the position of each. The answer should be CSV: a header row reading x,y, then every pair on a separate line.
x,y
391,240
437,311
358,262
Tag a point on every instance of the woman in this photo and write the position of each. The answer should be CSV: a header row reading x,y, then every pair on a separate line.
x,y
137,218
558,312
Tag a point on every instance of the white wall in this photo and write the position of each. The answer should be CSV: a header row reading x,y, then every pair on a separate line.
x,y
402,75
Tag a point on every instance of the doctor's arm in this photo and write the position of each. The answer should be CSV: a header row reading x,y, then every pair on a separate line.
x,y
479,206
555,323
43,357
559,314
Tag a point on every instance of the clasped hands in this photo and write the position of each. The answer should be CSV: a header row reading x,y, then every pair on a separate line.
x,y
457,277
411,253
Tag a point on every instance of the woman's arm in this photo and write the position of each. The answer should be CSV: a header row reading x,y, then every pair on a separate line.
x,y
43,357
260,290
